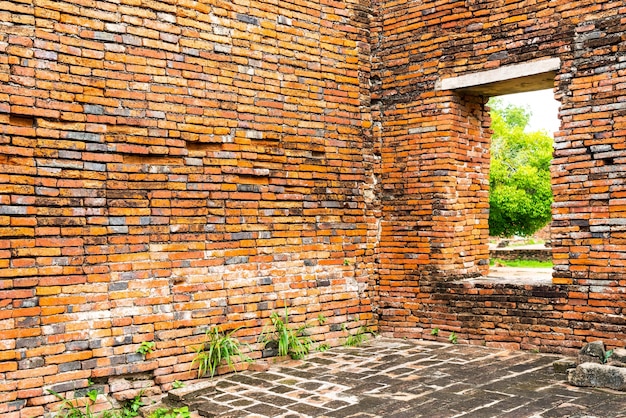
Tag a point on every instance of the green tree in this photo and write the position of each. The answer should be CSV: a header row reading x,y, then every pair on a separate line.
x,y
521,196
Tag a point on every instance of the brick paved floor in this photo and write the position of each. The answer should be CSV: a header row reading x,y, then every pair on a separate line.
x,y
396,378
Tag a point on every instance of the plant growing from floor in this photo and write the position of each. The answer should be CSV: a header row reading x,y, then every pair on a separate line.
x,y
218,349
357,339
130,409
73,408
145,347
292,342
70,409
182,412
323,347
453,338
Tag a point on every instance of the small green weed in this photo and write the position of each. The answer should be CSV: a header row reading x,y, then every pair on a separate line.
x,y
321,319
607,355
359,337
182,412
177,384
294,343
145,347
346,262
218,349
434,331
453,338
92,395
130,408
73,409
323,347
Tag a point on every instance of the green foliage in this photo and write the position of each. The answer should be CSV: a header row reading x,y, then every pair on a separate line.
x,y
74,409
218,349
323,347
521,196
145,347
358,338
321,319
70,409
521,263
182,412
177,384
294,343
607,355
92,395
453,338
434,331
130,408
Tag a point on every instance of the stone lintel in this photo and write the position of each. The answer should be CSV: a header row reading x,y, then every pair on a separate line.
x,y
517,78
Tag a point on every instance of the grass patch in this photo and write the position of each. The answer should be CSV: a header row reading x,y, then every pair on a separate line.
x,y
525,243
520,263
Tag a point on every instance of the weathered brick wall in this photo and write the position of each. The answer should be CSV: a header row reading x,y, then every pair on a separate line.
x,y
170,165
514,316
541,254
433,151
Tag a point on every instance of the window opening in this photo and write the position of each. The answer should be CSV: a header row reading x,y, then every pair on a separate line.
x,y
521,194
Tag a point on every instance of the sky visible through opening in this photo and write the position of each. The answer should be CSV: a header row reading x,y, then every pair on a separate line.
x,y
543,106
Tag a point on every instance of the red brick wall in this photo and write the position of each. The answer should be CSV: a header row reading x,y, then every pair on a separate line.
x,y
540,254
167,166
435,149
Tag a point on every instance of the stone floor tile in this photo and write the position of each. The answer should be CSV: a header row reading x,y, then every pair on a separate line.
x,y
397,378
